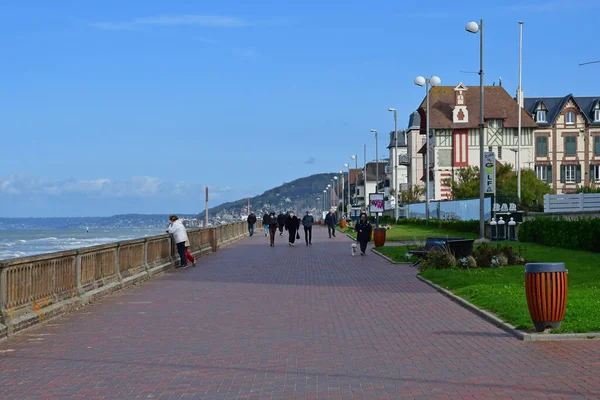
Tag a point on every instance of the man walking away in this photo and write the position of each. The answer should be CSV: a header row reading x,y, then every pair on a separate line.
x,y
331,221
308,221
272,228
180,236
292,223
266,219
281,222
363,230
251,222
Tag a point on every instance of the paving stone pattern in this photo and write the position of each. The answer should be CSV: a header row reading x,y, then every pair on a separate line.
x,y
254,322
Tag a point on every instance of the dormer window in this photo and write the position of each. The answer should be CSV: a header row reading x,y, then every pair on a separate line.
x,y
597,112
570,118
540,116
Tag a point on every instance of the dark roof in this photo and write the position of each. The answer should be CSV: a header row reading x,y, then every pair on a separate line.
x,y
371,172
401,142
555,106
498,105
414,121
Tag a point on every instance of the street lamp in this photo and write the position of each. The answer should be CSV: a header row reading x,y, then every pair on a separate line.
x,y
355,158
473,27
433,81
334,190
324,196
376,172
349,201
395,165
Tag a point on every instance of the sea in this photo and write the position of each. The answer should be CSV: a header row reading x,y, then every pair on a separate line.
x,y
27,242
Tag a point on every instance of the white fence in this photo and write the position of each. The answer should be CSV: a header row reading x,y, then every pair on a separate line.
x,y
566,203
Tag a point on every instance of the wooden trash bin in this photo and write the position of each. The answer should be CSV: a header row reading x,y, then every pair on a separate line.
x,y
546,291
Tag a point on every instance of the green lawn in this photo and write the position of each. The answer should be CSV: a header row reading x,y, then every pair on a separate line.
x,y
502,290
401,233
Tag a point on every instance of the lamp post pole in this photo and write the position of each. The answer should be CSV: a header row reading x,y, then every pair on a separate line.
x,y
395,165
520,102
473,27
349,206
366,197
376,171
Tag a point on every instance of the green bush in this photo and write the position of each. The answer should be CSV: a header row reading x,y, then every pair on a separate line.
x,y
577,234
470,226
437,259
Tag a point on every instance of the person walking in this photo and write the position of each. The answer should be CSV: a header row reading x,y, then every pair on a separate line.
x,y
251,222
180,236
308,221
272,228
266,219
363,230
281,222
292,224
331,222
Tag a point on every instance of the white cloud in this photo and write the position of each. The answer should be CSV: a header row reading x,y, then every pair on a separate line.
x,y
213,21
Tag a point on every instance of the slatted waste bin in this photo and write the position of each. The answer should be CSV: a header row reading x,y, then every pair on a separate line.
x,y
546,290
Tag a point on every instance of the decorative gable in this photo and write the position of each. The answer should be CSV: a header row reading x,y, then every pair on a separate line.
x,y
460,114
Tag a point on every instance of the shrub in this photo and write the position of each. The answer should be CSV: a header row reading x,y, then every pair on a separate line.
x,y
577,234
437,259
470,226
467,262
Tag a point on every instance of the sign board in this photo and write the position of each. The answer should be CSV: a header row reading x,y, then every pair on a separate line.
x,y
489,172
376,202
390,204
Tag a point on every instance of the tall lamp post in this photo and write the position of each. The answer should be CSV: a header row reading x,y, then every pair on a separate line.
x,y
474,27
395,165
324,197
427,82
334,191
376,171
355,158
329,196
349,201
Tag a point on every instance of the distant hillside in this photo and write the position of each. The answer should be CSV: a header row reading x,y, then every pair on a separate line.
x,y
297,195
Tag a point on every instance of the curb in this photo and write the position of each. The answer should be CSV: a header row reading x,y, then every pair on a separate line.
x,y
494,320
387,258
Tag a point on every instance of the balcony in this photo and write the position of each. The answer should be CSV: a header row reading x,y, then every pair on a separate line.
x,y
403,159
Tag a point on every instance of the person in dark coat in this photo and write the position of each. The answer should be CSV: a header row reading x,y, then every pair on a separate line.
x,y
363,230
331,222
292,224
266,219
272,228
308,221
251,222
281,222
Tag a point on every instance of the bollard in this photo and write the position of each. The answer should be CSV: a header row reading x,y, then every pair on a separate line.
x,y
494,229
512,229
501,229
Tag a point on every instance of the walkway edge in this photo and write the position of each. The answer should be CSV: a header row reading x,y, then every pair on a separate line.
x,y
388,258
491,318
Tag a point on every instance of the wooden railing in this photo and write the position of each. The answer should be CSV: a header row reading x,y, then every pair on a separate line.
x,y
39,287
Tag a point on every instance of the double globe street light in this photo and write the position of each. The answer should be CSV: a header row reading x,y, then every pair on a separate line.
x,y
427,82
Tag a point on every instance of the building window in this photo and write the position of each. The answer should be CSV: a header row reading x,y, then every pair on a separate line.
x,y
544,172
540,116
500,152
597,145
495,123
490,149
571,145
541,146
570,118
597,114
595,173
570,174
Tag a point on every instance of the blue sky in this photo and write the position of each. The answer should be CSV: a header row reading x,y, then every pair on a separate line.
x,y
134,106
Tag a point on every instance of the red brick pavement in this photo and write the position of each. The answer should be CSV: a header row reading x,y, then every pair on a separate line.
x,y
254,322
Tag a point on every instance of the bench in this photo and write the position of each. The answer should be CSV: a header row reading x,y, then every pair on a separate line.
x,y
459,247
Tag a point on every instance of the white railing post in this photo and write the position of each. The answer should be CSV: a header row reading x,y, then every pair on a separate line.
x,y
581,200
547,207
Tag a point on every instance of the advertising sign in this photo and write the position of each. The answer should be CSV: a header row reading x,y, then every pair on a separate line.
x,y
490,172
376,202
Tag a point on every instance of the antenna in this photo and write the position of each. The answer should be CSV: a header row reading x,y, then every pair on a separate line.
x,y
469,72
500,81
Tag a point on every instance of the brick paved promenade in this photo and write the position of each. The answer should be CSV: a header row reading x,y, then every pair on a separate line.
x,y
254,322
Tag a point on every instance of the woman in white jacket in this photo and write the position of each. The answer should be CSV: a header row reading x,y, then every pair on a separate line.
x,y
180,236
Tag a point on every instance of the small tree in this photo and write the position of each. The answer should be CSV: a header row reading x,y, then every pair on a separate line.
x,y
413,195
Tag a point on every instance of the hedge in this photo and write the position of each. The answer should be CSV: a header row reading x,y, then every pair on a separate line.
x,y
470,226
577,234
